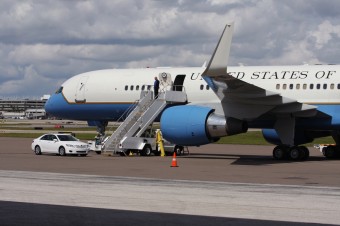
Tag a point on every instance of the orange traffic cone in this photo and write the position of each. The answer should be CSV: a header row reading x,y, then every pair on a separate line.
x,y
174,161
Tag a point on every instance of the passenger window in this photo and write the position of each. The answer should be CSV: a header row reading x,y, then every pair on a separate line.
x,y
338,85
201,87
332,86
207,87
137,87
284,86
131,87
311,86
318,86
143,87
324,86
149,87
126,87
277,86
304,86
297,86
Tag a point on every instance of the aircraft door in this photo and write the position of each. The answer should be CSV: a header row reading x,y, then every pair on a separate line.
x,y
165,82
81,87
178,83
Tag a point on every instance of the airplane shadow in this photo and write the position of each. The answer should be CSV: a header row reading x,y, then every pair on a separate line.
x,y
30,214
240,159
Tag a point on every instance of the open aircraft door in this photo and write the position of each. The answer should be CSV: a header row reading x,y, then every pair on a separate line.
x,y
81,87
178,83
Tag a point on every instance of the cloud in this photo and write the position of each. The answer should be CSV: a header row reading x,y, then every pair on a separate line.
x,y
50,40
30,81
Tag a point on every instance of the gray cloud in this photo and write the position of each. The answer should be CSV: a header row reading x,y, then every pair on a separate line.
x,y
44,42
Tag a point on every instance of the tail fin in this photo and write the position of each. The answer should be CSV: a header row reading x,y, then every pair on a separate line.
x,y
219,59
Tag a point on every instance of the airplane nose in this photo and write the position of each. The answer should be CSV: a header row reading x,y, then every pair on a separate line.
x,y
49,105
55,106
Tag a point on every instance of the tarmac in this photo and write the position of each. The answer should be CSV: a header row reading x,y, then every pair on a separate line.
x,y
214,185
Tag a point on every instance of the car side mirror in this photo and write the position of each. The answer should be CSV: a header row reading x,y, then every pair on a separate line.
x,y
55,140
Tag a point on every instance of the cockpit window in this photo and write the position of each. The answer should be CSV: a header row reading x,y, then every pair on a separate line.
x,y
59,90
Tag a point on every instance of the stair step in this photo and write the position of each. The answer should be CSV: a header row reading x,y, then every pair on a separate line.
x,y
138,120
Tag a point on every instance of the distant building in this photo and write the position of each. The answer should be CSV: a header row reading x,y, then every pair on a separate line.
x,y
35,114
14,115
12,105
45,97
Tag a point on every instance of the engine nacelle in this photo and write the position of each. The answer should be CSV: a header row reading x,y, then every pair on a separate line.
x,y
192,125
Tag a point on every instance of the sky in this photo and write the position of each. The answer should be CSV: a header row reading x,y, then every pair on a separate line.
x,y
45,42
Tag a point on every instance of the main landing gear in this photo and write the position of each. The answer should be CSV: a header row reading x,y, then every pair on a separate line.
x,y
295,153
331,151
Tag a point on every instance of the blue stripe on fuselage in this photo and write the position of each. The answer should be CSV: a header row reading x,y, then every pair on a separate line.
x,y
57,106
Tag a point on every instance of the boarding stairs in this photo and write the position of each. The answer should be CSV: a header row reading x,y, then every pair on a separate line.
x,y
145,112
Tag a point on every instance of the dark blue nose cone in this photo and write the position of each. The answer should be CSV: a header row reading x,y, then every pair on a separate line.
x,y
54,105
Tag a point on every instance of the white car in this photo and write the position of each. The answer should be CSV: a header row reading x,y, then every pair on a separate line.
x,y
62,144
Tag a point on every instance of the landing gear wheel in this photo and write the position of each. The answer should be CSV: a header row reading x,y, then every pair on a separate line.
x,y
37,150
295,153
62,151
98,152
304,153
147,150
330,152
280,152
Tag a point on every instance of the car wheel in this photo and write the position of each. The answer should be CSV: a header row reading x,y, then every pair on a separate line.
x,y
147,150
83,155
37,150
62,151
178,150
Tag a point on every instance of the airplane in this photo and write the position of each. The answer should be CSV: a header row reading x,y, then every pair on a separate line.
x,y
292,105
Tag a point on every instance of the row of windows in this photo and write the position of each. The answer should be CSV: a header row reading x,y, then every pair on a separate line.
x,y
148,87
207,87
291,86
305,86
143,87
278,86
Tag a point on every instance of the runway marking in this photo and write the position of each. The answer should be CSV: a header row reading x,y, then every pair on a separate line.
x,y
311,204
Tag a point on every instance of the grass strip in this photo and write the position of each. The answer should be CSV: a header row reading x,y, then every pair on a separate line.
x,y
249,138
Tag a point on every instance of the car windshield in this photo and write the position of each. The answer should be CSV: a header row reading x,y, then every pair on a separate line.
x,y
67,138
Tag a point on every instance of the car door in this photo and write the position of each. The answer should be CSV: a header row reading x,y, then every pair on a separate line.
x,y
52,144
44,143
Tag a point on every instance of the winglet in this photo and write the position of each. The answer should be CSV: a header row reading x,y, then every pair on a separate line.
x,y
219,59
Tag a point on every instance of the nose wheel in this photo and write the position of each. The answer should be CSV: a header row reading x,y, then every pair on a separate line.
x,y
294,153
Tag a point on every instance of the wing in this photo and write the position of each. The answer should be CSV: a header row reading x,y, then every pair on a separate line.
x,y
243,100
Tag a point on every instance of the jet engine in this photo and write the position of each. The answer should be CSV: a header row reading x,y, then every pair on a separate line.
x,y
192,125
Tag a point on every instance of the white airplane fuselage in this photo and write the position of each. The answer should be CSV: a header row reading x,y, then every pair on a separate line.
x,y
104,94
292,105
